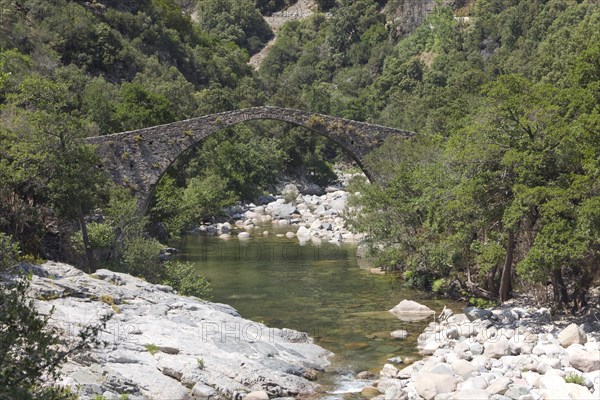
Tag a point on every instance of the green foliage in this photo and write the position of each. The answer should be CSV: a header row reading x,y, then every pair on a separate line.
x,y
244,161
325,5
438,285
141,258
230,166
200,363
152,348
184,278
575,378
481,303
123,215
503,175
238,21
267,7
205,197
9,251
31,348
290,197
101,237
140,107
77,69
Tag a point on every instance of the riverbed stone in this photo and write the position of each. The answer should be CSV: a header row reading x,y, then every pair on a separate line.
x,y
516,391
583,360
303,232
429,385
365,375
463,368
499,386
393,393
497,348
471,394
201,391
396,360
474,313
384,383
549,349
476,382
399,334
389,371
369,392
411,309
257,395
572,334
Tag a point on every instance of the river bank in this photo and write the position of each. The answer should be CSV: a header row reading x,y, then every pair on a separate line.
x,y
311,213
512,352
160,345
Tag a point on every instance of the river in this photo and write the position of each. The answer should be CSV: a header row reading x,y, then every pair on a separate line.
x,y
318,289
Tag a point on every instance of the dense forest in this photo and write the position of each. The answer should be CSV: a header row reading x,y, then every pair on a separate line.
x,y
499,189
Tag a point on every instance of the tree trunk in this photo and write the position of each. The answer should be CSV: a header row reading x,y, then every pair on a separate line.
x,y
89,254
492,281
506,280
560,289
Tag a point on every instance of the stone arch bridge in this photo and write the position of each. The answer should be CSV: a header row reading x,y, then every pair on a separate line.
x,y
138,159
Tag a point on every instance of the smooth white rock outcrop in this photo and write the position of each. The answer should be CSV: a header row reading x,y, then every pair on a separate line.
x,y
166,346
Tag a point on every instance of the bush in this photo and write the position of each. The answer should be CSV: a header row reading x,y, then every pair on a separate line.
x,y
101,237
438,285
152,348
481,303
183,278
575,378
31,350
142,258
9,250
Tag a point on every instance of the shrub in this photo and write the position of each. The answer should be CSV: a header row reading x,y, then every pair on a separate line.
x,y
107,299
141,258
438,285
183,278
575,378
152,348
9,250
101,237
481,303
31,349
290,196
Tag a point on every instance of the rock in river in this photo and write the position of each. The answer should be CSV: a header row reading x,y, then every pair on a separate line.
x,y
408,310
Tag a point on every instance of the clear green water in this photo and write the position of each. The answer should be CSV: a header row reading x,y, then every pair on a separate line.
x,y
316,289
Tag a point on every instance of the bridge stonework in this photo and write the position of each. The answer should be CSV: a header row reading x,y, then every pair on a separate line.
x,y
138,159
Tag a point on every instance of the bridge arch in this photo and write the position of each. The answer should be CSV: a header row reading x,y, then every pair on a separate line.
x,y
138,159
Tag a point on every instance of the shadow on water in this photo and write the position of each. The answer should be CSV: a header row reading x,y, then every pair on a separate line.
x,y
315,289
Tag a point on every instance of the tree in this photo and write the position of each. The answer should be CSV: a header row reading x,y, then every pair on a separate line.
x,y
238,21
140,108
64,169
